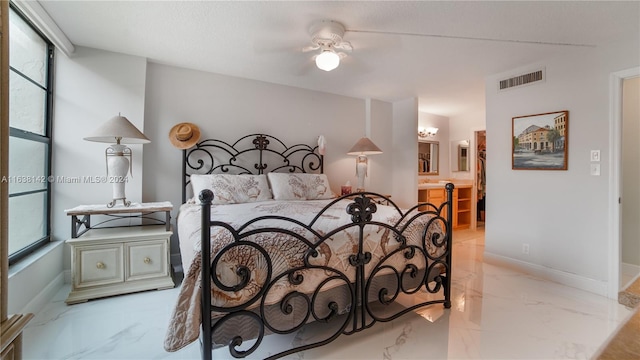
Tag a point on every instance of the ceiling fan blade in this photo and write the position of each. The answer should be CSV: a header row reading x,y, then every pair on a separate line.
x,y
264,45
310,48
461,37
344,45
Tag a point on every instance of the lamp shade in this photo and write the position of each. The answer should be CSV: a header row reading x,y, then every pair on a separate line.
x,y
364,146
118,129
327,60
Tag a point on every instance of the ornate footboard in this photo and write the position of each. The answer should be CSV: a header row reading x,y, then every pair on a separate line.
x,y
286,295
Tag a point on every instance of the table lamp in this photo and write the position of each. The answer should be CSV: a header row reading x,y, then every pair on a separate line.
x,y
361,149
118,156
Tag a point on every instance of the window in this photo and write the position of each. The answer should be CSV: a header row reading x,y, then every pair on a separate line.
x,y
30,105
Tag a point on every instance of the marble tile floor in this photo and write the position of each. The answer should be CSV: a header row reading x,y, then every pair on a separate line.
x,y
497,313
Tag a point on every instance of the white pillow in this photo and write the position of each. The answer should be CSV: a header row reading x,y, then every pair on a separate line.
x,y
232,189
299,186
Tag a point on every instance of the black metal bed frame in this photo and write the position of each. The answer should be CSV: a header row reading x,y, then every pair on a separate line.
x,y
361,313
212,155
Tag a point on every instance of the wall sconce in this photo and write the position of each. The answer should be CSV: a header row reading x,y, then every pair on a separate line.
x,y
119,130
428,132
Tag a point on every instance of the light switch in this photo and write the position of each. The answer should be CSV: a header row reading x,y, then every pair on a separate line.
x,y
595,155
595,169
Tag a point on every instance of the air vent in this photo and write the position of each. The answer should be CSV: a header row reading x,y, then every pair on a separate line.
x,y
521,80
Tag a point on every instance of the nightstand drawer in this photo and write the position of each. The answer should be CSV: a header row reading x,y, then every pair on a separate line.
x,y
98,265
147,259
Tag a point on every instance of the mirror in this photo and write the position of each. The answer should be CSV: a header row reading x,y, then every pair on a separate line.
x,y
428,155
459,155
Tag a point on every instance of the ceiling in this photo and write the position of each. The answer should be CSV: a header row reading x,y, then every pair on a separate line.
x,y
263,40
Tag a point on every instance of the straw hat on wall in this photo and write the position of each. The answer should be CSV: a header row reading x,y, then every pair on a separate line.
x,y
184,135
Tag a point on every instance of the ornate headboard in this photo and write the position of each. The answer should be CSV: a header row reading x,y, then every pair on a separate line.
x,y
251,154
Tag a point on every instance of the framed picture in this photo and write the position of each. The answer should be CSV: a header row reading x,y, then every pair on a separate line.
x,y
540,141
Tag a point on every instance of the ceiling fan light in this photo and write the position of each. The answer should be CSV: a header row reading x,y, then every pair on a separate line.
x,y
328,60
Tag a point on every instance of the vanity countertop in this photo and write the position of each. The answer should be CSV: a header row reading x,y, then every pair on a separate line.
x,y
441,185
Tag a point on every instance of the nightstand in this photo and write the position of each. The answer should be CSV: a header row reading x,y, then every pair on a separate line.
x,y
107,261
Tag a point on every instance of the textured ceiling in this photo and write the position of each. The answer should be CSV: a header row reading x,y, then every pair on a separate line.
x,y
263,40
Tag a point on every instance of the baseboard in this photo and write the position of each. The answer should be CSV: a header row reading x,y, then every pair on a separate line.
x,y
44,296
561,277
630,269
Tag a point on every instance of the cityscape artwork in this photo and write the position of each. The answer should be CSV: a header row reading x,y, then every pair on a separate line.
x,y
540,141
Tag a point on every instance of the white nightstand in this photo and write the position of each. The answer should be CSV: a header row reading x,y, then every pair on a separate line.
x,y
119,260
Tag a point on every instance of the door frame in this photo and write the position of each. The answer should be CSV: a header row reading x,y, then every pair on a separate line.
x,y
615,176
473,153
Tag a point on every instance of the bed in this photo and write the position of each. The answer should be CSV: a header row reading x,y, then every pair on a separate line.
x,y
284,251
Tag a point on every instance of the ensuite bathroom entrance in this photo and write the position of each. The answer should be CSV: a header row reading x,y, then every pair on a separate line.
x,y
480,177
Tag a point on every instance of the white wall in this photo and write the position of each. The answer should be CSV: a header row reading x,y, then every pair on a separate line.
x,y
630,243
90,88
562,215
464,127
381,165
227,108
404,169
34,281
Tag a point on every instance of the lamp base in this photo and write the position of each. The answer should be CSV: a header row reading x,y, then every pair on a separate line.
x,y
125,202
361,171
117,168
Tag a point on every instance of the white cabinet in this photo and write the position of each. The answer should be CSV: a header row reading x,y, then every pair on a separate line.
x,y
119,260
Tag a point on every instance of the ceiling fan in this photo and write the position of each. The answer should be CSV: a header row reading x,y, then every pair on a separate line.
x,y
326,36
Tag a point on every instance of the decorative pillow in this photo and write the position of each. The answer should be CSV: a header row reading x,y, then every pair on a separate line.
x,y
232,189
299,186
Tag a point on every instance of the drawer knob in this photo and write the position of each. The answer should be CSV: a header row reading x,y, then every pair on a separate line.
x,y
147,260
100,265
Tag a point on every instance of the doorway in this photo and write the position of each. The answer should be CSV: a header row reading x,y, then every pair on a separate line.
x,y
614,279
480,177
630,178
